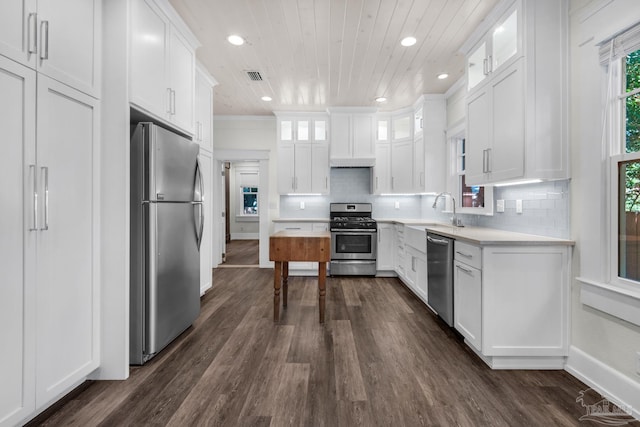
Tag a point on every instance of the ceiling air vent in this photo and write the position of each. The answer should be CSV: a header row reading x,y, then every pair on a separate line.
x,y
254,76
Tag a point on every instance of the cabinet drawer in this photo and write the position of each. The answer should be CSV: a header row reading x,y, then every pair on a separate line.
x,y
468,254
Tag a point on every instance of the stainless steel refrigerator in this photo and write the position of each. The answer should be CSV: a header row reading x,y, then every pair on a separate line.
x,y
166,229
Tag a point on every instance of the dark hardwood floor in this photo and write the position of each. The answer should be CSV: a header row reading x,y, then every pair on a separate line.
x,y
242,252
381,359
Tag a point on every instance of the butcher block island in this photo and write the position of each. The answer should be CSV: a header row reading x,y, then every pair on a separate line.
x,y
297,245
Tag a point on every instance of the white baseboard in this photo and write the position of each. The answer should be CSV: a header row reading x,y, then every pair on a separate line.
x,y
245,236
613,385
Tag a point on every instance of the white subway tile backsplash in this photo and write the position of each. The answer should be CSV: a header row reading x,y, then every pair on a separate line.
x,y
545,205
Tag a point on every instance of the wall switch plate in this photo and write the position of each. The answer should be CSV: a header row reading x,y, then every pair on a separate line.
x,y
397,205
500,205
519,206
301,205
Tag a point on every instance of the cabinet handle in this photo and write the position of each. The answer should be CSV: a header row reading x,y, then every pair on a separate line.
x,y
326,182
489,160
173,102
32,174
490,62
44,40
466,270
464,254
413,263
485,162
293,228
32,33
169,100
45,174
376,182
485,68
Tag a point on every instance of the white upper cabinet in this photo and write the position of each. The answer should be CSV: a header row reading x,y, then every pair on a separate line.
x,y
204,109
352,136
60,39
500,44
162,67
402,154
517,101
303,154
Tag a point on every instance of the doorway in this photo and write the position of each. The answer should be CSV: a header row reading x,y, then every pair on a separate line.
x,y
224,233
242,209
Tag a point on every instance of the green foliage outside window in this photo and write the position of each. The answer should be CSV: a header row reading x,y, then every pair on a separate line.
x,y
632,132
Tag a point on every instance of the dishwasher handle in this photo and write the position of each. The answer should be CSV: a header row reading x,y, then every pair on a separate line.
x,y
437,241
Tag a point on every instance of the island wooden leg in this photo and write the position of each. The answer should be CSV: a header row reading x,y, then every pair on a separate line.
x,y
277,276
285,282
322,276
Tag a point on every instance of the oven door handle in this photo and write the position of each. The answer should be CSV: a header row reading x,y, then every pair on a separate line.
x,y
351,231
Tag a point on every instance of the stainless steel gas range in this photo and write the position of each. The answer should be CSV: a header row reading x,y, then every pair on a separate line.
x,y
353,240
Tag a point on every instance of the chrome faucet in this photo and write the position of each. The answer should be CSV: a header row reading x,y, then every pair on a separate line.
x,y
454,219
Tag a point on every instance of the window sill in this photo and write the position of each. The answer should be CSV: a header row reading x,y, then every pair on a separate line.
x,y
247,218
614,300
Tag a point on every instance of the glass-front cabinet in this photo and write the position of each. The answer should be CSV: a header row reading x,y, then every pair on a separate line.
x,y
303,154
499,47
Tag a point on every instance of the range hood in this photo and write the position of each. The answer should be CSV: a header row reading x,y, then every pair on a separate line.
x,y
352,162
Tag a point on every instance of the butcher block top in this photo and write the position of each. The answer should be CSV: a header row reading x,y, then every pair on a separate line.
x,y
298,245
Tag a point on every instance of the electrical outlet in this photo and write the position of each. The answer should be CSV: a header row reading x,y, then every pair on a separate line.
x,y
397,205
301,205
500,205
519,206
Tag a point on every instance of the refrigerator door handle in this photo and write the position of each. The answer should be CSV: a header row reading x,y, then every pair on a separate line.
x,y
198,192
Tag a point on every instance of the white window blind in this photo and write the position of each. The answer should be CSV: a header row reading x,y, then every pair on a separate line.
x,y
248,179
620,45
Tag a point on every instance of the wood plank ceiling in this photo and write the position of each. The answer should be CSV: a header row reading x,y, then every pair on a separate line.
x,y
314,54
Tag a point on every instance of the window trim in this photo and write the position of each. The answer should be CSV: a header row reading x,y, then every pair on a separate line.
x,y
454,135
618,297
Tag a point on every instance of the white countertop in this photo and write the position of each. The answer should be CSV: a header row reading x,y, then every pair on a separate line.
x,y
479,235
476,235
489,236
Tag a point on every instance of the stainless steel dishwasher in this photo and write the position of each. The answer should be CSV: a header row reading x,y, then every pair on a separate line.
x,y
440,275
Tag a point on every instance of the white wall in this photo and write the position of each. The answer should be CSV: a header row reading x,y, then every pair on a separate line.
x,y
603,347
250,133
254,135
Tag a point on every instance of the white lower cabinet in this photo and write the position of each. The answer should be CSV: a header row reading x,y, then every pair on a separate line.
x,y
400,255
49,301
302,268
416,260
512,303
386,247
467,299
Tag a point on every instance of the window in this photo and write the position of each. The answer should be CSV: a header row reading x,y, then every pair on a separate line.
x,y
249,200
624,92
471,199
620,294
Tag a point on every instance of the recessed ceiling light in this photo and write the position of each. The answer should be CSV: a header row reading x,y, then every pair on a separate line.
x,y
235,40
408,41
381,99
443,76
266,98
